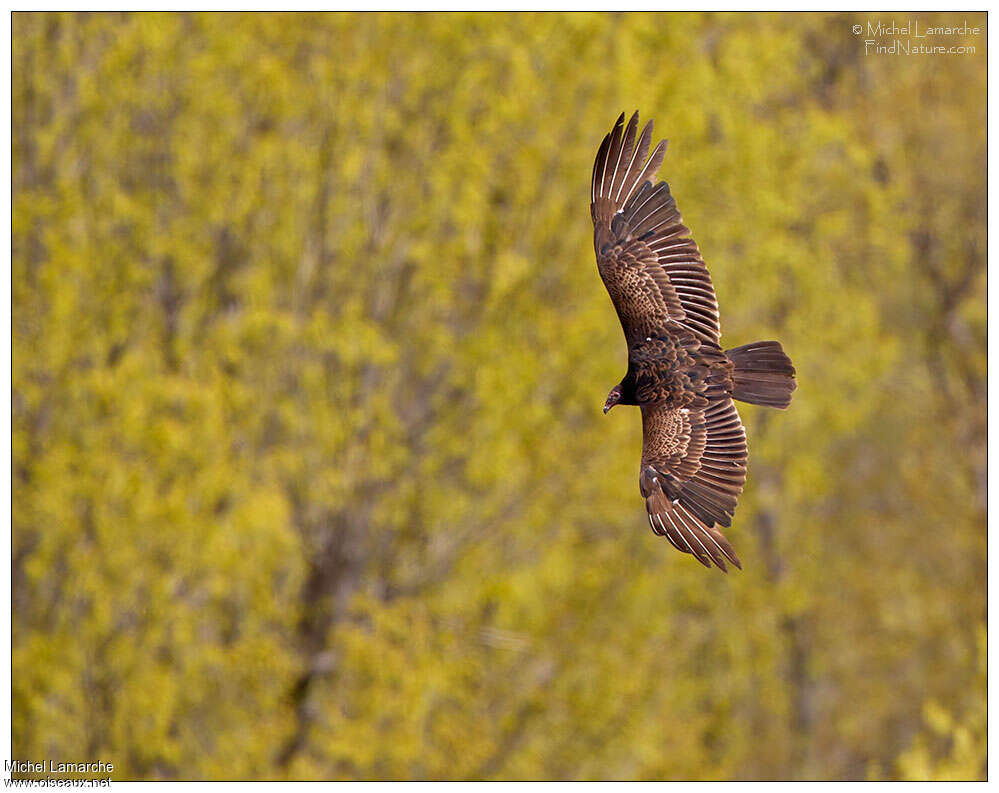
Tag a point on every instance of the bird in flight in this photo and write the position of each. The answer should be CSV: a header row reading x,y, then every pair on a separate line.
x,y
693,445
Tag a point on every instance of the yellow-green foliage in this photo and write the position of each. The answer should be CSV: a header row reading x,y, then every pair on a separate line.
x,y
310,474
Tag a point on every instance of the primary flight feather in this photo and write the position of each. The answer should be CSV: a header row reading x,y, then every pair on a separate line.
x,y
694,446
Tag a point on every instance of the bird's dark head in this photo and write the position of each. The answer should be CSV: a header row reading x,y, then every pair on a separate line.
x,y
612,398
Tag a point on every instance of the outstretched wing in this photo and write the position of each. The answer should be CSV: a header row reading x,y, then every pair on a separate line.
x,y
652,269
693,471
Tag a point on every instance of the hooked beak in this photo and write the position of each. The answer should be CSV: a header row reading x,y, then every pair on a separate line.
x,y
606,408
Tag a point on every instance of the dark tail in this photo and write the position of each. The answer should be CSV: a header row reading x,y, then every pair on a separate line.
x,y
763,374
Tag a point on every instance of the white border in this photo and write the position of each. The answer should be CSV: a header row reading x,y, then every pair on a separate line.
x,y
639,5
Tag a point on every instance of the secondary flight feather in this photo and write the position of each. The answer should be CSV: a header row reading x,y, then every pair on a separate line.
x,y
694,446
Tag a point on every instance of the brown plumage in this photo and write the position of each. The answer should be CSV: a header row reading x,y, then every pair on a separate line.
x,y
694,446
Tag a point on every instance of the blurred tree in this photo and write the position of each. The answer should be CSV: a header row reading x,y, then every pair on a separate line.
x,y
310,476
952,749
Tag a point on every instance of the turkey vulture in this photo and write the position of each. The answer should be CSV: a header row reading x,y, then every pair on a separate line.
x,y
693,446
